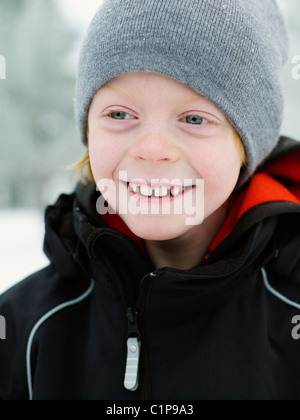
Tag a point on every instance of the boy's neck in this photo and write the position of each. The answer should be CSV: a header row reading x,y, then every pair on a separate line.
x,y
188,250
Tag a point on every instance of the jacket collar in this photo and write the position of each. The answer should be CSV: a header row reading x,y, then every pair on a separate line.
x,y
105,243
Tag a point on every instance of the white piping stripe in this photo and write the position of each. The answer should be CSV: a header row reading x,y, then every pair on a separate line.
x,y
277,294
40,322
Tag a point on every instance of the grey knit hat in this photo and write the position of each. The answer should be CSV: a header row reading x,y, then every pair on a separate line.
x,y
230,51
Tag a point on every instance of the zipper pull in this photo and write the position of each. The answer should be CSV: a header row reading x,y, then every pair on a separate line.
x,y
131,381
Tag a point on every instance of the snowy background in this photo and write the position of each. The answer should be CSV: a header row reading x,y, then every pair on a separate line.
x,y
40,42
20,245
22,208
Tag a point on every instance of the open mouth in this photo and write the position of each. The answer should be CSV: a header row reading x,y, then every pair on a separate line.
x,y
160,191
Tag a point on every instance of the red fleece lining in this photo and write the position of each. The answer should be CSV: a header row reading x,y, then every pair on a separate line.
x,y
263,188
288,168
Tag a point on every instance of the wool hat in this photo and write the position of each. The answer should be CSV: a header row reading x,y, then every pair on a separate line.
x,y
230,51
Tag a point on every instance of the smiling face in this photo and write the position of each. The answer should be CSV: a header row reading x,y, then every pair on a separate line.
x,y
157,141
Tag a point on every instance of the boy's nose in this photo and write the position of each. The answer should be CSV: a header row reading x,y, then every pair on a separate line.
x,y
155,147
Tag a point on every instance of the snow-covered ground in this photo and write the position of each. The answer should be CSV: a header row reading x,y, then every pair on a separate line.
x,y
21,243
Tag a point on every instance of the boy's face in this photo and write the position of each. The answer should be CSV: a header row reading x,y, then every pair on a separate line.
x,y
155,132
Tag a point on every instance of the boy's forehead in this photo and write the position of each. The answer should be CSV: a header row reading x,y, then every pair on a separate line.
x,y
141,78
131,85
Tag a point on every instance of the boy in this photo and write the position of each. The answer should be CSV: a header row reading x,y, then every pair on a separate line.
x,y
178,278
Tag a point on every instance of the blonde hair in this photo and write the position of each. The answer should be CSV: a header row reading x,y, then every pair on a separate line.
x,y
84,166
241,148
86,173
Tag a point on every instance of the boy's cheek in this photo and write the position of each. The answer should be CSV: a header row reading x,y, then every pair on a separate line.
x,y
102,161
219,185
223,178
225,166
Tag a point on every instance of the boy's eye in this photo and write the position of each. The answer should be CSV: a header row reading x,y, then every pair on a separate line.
x,y
195,120
120,115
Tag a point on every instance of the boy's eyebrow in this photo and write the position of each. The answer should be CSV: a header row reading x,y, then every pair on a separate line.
x,y
118,90
195,97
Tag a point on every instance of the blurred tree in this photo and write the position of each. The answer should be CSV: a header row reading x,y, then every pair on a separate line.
x,y
36,101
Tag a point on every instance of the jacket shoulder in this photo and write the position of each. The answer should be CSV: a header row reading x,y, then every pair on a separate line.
x,y
27,298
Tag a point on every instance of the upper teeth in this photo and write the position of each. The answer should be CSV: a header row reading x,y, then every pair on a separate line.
x,y
160,191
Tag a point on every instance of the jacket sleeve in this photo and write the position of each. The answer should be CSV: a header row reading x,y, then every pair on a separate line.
x,y
12,350
22,307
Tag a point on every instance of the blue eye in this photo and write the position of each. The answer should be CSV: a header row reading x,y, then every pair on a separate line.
x,y
119,115
195,120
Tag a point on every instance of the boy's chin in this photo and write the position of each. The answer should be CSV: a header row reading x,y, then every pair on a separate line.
x,y
158,228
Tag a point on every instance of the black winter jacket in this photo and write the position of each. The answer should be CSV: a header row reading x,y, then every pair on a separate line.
x,y
100,319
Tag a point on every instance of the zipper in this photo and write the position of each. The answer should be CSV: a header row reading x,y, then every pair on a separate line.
x,y
131,380
145,386
136,372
